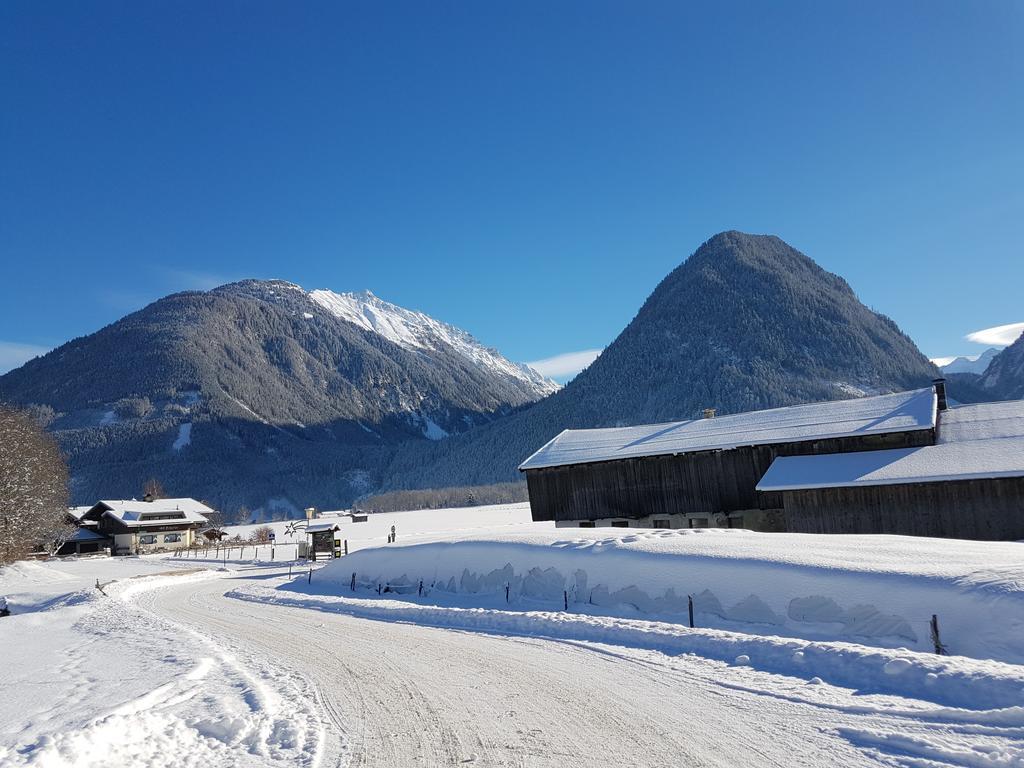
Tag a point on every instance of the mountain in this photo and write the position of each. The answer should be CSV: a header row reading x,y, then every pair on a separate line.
x,y
260,393
747,322
1004,377
965,364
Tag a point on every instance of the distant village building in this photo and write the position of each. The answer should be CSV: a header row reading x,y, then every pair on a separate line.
x,y
899,463
136,527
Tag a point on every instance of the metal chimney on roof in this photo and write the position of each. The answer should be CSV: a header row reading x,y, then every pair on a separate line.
x,y
940,393
709,413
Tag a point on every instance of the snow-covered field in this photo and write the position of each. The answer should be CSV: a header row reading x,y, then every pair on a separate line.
x,y
800,656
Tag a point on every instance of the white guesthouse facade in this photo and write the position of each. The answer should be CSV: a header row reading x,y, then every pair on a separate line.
x,y
137,527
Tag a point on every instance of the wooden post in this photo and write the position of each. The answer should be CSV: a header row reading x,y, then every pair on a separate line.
x,y
936,641
290,570
421,588
506,593
353,586
310,580
565,598
689,602
346,546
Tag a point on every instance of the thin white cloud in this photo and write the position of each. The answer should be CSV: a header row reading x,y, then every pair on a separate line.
x,y
14,354
565,365
999,336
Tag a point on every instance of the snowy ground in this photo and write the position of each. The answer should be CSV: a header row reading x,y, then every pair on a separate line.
x,y
194,662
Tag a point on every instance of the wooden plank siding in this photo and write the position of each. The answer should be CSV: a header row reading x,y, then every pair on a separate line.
x,y
705,482
989,509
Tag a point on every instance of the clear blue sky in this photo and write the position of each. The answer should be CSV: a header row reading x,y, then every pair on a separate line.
x,y
526,170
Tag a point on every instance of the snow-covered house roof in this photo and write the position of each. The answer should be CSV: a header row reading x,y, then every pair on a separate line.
x,y
85,534
320,527
139,514
77,512
975,441
899,412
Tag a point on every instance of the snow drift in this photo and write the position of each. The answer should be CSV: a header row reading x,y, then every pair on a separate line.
x,y
880,590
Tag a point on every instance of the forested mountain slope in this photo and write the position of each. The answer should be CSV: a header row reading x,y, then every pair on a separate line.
x,y
259,391
747,322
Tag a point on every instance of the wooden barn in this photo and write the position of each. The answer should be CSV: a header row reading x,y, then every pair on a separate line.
x,y
969,484
718,471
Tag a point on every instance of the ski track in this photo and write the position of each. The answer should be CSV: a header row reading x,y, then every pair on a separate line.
x,y
396,694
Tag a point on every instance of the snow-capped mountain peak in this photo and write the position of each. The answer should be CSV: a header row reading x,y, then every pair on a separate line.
x,y
418,331
966,363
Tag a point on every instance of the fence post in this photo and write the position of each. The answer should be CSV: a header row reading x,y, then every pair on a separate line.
x,y
689,605
565,598
353,585
421,587
346,546
936,641
506,593
310,579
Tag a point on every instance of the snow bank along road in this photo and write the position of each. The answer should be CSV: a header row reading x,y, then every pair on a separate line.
x,y
404,694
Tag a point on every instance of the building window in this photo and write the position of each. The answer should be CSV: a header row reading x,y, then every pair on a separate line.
x,y
586,523
620,523
662,523
170,538
147,538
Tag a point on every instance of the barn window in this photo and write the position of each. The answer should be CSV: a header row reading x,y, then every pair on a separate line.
x,y
147,538
620,523
172,538
586,523
662,523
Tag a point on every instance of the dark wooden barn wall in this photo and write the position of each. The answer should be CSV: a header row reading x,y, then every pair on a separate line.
x,y
707,482
970,509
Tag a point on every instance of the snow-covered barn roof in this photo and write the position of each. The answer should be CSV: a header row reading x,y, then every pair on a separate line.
x,y
899,412
975,441
137,514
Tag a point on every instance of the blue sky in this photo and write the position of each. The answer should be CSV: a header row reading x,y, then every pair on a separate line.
x,y
528,171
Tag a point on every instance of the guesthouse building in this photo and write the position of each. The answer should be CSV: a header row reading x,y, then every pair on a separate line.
x,y
137,527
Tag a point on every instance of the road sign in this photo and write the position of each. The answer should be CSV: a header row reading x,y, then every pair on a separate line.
x,y
273,535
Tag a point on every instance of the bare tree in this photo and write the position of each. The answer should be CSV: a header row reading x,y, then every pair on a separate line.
x,y
33,488
261,535
153,489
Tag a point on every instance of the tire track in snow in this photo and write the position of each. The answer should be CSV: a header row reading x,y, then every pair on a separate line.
x,y
404,694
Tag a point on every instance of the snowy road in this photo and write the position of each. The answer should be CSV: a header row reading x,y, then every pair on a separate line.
x,y
397,694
